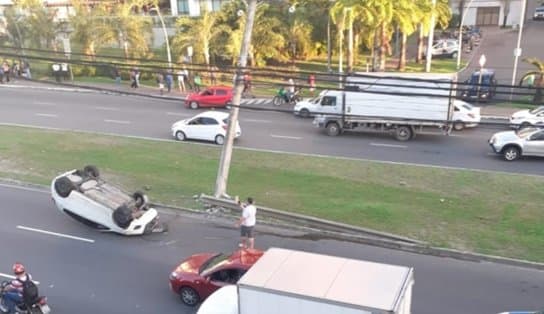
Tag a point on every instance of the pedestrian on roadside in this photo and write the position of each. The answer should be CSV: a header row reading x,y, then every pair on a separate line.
x,y
169,80
1,75
213,75
160,81
5,67
247,223
247,83
133,78
117,75
137,77
181,80
311,82
188,78
197,82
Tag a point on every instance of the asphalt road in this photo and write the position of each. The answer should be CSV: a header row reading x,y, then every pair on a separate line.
x,y
120,275
276,131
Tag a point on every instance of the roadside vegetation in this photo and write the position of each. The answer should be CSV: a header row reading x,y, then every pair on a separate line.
x,y
490,213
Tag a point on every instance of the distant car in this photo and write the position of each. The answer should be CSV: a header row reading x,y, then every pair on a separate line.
x,y
526,118
214,96
206,126
514,144
445,48
200,275
465,115
539,13
487,86
86,197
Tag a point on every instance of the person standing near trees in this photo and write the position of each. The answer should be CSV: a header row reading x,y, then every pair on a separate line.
x,y
246,223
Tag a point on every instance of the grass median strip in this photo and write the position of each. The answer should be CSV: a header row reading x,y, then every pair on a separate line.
x,y
489,213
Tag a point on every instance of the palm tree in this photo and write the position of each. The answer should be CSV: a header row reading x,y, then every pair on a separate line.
x,y
88,26
405,17
539,65
442,14
41,27
199,33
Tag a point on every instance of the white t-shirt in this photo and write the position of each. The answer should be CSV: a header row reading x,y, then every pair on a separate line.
x,y
249,213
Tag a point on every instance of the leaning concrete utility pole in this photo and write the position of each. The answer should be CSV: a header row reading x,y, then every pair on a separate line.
x,y
226,153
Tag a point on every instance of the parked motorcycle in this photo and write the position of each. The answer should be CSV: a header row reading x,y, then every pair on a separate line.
x,y
38,306
283,98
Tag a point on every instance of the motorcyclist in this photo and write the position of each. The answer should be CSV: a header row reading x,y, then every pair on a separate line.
x,y
13,294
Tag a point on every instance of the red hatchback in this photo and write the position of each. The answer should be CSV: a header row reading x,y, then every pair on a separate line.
x,y
201,274
214,96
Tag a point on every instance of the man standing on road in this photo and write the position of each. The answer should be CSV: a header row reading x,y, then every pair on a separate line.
x,y
246,223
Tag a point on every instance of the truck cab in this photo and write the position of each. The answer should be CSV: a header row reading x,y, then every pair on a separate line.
x,y
487,88
326,103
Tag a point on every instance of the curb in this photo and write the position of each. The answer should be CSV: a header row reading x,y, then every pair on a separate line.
x,y
382,239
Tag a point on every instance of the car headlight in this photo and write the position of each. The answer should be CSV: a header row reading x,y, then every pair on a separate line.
x,y
493,140
173,275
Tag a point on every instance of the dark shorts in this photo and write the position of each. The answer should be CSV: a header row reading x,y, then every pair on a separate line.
x,y
246,231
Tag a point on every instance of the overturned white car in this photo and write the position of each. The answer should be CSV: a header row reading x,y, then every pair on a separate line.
x,y
86,197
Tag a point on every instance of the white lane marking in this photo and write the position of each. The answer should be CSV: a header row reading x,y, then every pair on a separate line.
x,y
44,103
178,114
117,121
252,149
388,145
257,120
286,137
107,108
61,235
13,277
49,115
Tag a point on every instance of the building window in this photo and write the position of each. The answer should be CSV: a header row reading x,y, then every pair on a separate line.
x,y
183,6
216,4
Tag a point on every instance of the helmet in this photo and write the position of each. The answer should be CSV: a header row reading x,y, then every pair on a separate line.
x,y
18,268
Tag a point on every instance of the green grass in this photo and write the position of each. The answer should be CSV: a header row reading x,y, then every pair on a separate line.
x,y
484,212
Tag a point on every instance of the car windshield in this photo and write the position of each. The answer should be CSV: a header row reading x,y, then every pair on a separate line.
x,y
468,107
486,79
212,262
526,132
537,110
315,100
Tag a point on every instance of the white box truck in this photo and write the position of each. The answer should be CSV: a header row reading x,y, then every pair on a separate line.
x,y
402,104
295,282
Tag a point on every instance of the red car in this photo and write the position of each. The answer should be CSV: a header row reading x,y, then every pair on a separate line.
x,y
215,96
201,274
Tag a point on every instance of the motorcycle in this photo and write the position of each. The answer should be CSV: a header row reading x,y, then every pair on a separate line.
x,y
281,99
39,306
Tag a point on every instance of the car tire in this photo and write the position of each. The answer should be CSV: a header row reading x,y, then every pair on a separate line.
x,y
403,133
511,153
333,129
64,186
278,101
189,296
193,105
219,139
304,113
458,125
140,199
454,55
180,136
91,171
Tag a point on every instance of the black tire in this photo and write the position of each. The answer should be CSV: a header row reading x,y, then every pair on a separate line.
x,y
91,171
278,101
403,133
458,125
219,139
122,216
189,296
64,186
180,136
193,105
333,129
304,113
140,199
511,153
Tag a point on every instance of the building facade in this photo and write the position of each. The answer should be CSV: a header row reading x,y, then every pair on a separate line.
x,y
489,13
195,7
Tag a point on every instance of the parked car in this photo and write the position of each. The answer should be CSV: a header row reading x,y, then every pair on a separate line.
x,y
465,115
445,48
214,96
514,144
487,87
200,275
527,118
539,13
88,198
206,126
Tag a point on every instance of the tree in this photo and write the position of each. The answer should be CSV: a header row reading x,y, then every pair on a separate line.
x,y
88,26
405,18
40,28
536,79
442,14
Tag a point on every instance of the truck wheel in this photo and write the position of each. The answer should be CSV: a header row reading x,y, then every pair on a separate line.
x,y
91,171
333,129
403,133
511,153
64,186
189,296
304,113
458,125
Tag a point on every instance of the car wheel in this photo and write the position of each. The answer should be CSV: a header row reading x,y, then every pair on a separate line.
x,y
64,186
454,55
140,199
333,129
219,139
511,153
277,101
193,105
403,133
91,171
458,125
189,296
180,136
304,113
